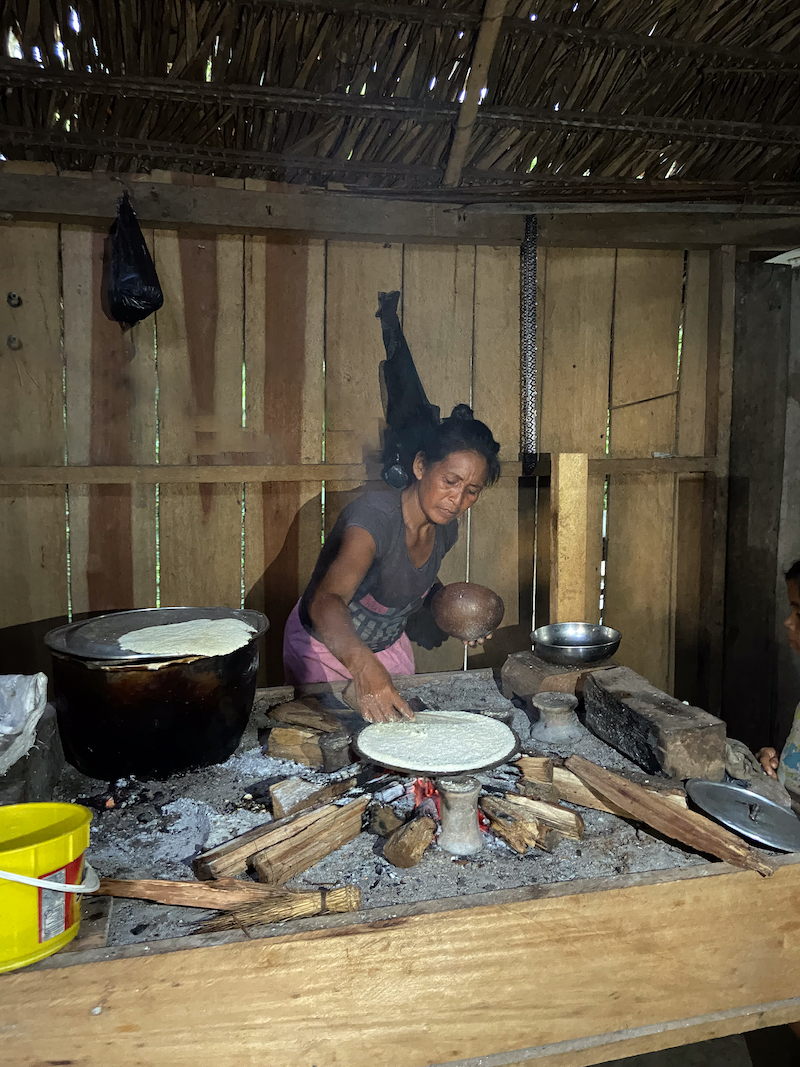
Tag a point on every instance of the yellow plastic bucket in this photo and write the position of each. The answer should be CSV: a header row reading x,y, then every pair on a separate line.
x,y
40,842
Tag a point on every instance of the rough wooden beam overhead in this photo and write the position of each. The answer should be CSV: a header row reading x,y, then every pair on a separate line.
x,y
281,99
322,214
315,213
475,88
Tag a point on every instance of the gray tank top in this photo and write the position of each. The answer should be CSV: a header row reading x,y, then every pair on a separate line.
x,y
393,588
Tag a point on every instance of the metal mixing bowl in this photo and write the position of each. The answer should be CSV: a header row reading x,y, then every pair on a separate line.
x,y
573,643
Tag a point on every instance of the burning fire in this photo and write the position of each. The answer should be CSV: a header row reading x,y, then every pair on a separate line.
x,y
426,796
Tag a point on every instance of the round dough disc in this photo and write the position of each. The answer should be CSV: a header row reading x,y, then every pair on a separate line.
x,y
201,637
438,742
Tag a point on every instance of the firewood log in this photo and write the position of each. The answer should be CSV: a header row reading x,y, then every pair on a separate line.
x,y
303,713
569,823
406,846
574,791
537,768
281,905
518,826
293,795
383,820
295,743
290,853
231,857
689,827
538,790
226,894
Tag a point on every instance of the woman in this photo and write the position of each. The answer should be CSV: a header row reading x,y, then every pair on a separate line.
x,y
379,564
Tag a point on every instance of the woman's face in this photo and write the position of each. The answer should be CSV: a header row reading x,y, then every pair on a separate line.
x,y
448,488
792,623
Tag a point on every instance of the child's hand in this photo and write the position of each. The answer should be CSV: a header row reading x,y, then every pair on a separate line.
x,y
769,760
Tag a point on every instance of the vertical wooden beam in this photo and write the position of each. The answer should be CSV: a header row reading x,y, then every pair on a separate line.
x,y
787,685
721,305
757,465
569,487
476,80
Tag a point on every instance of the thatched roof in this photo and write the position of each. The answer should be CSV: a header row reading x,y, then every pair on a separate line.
x,y
590,100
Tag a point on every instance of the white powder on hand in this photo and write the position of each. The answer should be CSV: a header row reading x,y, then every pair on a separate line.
x,y
438,742
201,637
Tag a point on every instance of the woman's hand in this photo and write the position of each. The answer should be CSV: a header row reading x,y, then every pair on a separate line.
x,y
769,760
377,698
480,641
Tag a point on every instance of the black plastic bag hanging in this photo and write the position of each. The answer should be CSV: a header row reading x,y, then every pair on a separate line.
x,y
409,413
134,291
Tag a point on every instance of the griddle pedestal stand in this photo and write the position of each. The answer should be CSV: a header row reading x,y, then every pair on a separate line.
x,y
460,833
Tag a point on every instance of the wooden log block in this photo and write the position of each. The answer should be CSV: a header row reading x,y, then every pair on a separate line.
x,y
226,894
383,820
570,788
537,768
538,790
280,905
524,674
231,857
518,826
406,846
652,728
688,827
568,823
293,795
295,743
305,713
290,854
335,749
272,695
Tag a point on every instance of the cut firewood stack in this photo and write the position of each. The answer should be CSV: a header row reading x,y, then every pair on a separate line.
x,y
661,806
309,735
542,779
281,849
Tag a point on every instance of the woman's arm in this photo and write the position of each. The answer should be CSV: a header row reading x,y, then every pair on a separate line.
x,y
378,699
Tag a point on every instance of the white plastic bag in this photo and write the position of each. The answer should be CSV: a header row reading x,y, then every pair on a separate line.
x,y
23,698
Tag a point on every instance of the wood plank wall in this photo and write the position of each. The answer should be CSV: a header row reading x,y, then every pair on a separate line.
x,y
267,352
622,374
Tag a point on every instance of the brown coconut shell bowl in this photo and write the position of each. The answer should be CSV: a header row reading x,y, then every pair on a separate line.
x,y
467,611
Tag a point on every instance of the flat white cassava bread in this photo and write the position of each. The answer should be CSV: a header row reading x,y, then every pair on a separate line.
x,y
201,637
438,742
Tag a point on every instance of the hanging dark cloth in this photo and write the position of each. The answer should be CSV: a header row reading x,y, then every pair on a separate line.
x,y
409,414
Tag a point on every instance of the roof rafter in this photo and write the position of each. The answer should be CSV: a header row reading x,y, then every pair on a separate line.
x,y
589,35
276,98
479,68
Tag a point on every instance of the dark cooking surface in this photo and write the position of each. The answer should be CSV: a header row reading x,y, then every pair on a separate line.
x,y
98,639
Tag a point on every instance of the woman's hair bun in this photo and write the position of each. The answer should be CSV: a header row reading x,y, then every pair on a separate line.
x,y
463,412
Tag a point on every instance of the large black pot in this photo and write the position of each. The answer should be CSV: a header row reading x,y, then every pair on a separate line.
x,y
146,717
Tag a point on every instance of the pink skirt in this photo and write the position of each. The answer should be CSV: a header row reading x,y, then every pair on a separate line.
x,y
307,660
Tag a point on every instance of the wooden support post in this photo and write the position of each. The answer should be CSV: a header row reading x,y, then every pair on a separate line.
x,y
721,305
476,81
569,486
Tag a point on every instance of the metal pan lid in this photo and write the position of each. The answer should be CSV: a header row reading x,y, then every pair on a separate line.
x,y
747,813
98,638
